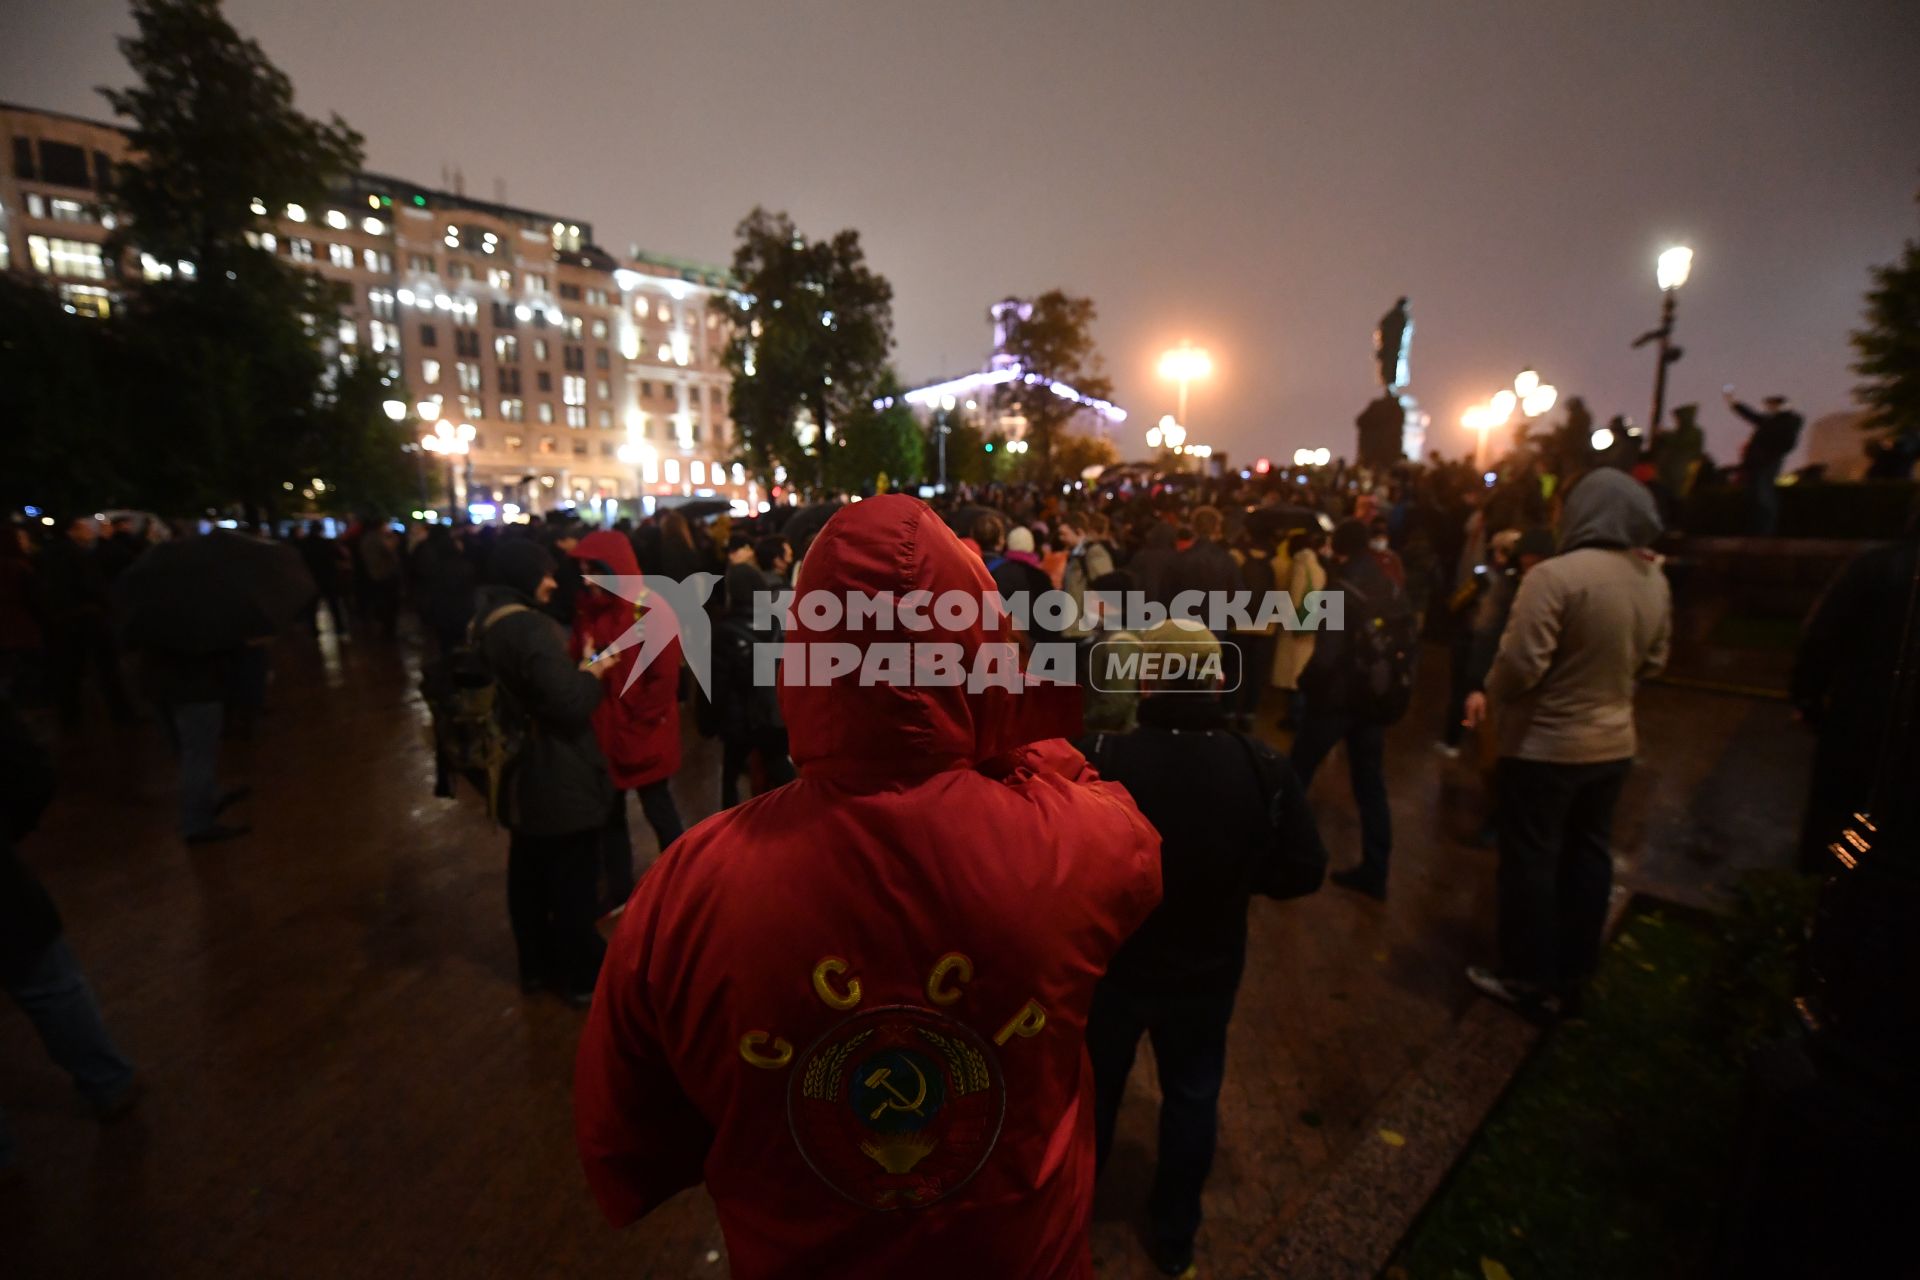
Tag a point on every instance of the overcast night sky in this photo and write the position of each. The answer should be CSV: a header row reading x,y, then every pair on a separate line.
x,y
1263,178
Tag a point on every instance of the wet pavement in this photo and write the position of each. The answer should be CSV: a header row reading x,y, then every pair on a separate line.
x,y
344,1079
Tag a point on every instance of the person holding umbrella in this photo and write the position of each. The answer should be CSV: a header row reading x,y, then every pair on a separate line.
x,y
193,609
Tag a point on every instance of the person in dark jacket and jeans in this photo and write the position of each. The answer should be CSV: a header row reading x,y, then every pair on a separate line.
x,y
37,969
747,711
1213,794
1327,717
556,792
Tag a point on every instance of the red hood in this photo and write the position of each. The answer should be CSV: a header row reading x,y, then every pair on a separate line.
x,y
893,545
609,548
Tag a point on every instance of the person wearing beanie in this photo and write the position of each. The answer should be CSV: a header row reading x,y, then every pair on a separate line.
x,y
1015,568
555,792
1587,624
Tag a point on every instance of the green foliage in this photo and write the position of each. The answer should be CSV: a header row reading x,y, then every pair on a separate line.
x,y
1888,348
871,443
1075,451
810,326
968,461
1607,1153
63,400
1055,340
214,125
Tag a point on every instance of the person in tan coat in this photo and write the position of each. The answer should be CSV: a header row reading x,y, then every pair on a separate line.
x,y
1587,625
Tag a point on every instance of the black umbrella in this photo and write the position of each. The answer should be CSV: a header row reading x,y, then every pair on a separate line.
x,y
1278,521
695,508
212,593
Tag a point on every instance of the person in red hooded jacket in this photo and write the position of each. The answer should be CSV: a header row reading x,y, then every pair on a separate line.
x,y
637,726
855,1006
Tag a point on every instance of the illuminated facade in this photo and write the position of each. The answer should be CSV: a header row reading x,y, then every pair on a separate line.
x,y
583,380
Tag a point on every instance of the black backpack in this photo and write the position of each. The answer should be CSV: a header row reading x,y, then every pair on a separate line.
x,y
1383,643
477,729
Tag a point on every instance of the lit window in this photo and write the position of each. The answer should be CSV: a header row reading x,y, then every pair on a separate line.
x,y
513,410
500,279
673,471
341,255
540,350
506,347
573,389
36,205
468,375
83,299
664,314
576,415
77,259
739,474
600,328
430,372
377,261
373,226
70,211
349,333
680,348
300,250
337,220
536,283
605,389
697,471
546,411
296,213
382,335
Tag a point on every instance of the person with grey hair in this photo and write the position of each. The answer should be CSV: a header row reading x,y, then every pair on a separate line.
x,y
1586,625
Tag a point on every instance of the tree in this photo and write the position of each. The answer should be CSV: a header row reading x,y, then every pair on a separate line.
x,y
63,398
1889,346
1075,451
1052,337
810,326
242,392
877,441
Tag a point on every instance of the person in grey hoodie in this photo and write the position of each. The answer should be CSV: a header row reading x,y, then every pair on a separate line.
x,y
1586,625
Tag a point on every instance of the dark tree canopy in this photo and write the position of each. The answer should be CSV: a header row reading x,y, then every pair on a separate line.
x,y
1888,348
810,327
875,442
1052,336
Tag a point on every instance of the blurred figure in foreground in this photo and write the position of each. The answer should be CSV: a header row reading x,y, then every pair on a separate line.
x,y
37,968
867,991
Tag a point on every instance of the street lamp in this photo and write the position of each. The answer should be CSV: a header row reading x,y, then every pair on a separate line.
x,y
1184,364
1669,272
1529,396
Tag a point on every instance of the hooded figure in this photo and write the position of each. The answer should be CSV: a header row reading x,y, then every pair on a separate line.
x,y
637,725
854,1006
554,793
1585,627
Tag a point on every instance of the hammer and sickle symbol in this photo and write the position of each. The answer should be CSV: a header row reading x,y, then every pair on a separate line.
x,y
881,1079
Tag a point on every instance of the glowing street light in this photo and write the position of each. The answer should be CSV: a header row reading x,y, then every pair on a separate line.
x,y
1185,364
1602,439
1529,397
1670,271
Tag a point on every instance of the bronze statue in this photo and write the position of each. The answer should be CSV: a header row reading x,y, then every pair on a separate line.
x,y
1392,342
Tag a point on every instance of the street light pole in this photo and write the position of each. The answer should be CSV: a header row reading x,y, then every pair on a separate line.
x,y
1670,272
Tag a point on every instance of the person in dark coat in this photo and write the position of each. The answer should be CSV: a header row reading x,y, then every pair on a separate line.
x,y
444,585
325,562
556,792
78,622
1775,432
1843,687
746,710
37,968
1152,566
1327,717
1206,569
1212,794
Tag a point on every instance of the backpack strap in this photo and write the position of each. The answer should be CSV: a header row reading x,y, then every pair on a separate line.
x,y
478,627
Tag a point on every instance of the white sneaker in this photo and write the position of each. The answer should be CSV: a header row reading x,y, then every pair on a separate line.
x,y
1515,995
1447,749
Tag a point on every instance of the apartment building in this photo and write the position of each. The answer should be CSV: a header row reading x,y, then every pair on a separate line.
x,y
547,372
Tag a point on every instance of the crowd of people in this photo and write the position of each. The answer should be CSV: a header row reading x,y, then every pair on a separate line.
x,y
1076,871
